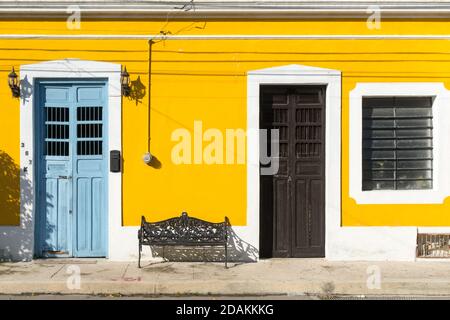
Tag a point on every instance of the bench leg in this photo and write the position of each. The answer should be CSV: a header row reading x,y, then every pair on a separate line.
x,y
140,249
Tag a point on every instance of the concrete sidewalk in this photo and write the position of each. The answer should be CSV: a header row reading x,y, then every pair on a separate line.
x,y
268,277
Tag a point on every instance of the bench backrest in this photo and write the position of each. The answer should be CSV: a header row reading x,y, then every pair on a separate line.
x,y
184,230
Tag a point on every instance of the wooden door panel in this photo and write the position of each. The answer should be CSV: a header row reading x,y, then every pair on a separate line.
x,y
316,214
297,212
90,172
53,169
281,222
300,218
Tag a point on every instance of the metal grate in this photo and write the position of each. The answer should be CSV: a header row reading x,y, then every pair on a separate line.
x,y
397,143
89,131
280,123
433,245
57,131
308,132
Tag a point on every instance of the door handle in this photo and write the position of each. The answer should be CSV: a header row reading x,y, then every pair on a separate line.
x,y
65,177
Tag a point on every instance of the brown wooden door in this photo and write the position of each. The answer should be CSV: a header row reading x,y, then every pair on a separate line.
x,y
293,200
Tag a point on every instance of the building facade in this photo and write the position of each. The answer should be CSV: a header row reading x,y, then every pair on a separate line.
x,y
350,100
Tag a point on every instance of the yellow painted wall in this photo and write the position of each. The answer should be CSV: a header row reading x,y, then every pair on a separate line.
x,y
206,80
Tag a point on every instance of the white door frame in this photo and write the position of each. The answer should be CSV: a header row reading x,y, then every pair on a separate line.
x,y
296,75
67,69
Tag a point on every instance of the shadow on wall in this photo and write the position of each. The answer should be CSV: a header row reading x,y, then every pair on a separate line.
x,y
155,163
138,90
9,191
16,233
238,251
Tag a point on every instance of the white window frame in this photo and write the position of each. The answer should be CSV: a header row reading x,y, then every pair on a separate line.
x,y
441,140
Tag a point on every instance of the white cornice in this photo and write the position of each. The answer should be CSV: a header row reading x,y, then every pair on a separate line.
x,y
224,9
160,37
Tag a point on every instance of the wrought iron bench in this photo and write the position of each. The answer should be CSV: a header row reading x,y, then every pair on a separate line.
x,y
183,231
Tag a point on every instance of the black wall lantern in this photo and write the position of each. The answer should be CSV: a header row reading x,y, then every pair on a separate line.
x,y
125,82
13,83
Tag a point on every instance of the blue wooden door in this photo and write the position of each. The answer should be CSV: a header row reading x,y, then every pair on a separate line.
x,y
71,169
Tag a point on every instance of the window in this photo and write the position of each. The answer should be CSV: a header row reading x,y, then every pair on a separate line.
x,y
89,131
56,131
397,143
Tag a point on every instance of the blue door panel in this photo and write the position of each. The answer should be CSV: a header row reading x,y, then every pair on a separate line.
x,y
56,167
51,243
88,94
97,236
71,170
55,94
83,215
90,168
63,216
